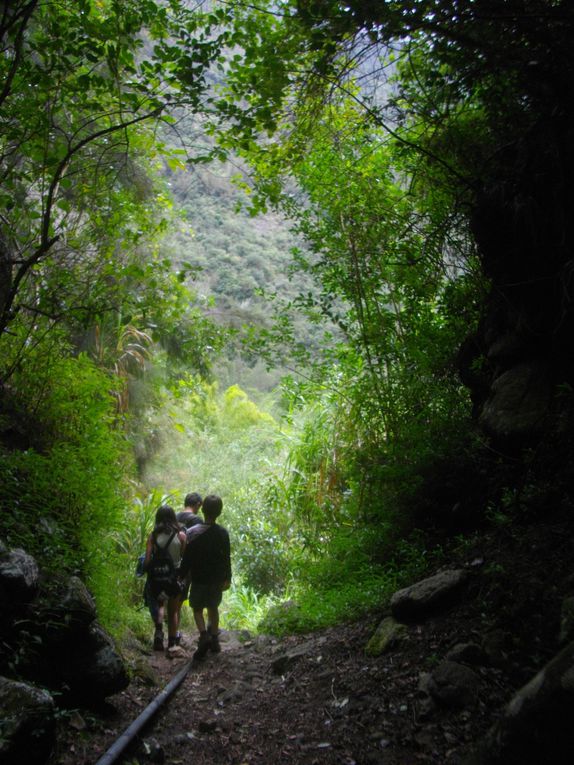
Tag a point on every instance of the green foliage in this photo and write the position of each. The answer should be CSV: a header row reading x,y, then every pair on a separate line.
x,y
344,583
224,443
233,255
63,496
211,440
244,607
387,246
68,160
137,524
84,87
379,184
265,537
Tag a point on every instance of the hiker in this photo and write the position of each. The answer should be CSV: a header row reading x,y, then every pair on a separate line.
x,y
165,546
189,517
207,561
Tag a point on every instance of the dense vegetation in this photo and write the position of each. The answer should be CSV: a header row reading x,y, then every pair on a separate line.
x,y
406,209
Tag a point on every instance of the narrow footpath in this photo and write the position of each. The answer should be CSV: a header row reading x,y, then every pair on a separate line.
x,y
311,700
322,699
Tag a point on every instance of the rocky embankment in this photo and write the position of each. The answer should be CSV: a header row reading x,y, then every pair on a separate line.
x,y
53,653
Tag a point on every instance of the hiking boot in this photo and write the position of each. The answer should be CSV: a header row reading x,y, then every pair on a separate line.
x,y
214,644
213,640
202,645
179,639
158,640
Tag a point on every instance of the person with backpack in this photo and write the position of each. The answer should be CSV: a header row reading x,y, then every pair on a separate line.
x,y
189,517
164,549
207,562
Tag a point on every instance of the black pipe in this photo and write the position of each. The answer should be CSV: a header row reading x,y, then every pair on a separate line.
x,y
130,732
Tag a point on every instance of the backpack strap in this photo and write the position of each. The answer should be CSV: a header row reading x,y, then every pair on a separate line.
x,y
167,544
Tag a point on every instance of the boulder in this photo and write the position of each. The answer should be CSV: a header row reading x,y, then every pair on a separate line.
x,y
424,701
59,644
93,668
496,645
388,635
19,578
77,603
27,723
427,597
64,614
467,653
309,650
454,685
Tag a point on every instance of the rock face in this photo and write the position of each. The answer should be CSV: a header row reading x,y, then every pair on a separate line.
x,y
520,355
27,723
518,406
52,638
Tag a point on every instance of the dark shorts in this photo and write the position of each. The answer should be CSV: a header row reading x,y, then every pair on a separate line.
x,y
204,596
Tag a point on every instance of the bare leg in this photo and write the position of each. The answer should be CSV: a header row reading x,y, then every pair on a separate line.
x,y
213,617
199,620
158,633
172,614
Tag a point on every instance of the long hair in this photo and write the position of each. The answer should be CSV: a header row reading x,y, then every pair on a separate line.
x,y
165,520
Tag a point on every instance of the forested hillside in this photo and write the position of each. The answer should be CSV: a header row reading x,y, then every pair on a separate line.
x,y
239,263
235,254
395,177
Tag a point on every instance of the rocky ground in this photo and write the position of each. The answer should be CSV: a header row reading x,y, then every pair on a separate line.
x,y
321,699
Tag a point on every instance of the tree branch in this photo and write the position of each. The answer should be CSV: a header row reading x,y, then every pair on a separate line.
x,y
26,13
46,240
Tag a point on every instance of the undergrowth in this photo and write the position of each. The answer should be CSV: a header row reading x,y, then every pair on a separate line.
x,y
326,592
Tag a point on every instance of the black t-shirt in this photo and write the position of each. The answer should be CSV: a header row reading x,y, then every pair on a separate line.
x,y
188,518
207,556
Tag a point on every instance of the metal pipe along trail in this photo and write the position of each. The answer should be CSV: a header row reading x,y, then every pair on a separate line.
x,y
132,730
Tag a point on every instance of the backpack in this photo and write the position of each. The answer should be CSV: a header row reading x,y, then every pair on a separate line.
x,y
140,565
162,571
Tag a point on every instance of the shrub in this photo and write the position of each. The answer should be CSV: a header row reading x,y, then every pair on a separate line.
x,y
64,495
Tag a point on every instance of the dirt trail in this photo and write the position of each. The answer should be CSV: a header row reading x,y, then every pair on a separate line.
x,y
316,700
319,699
